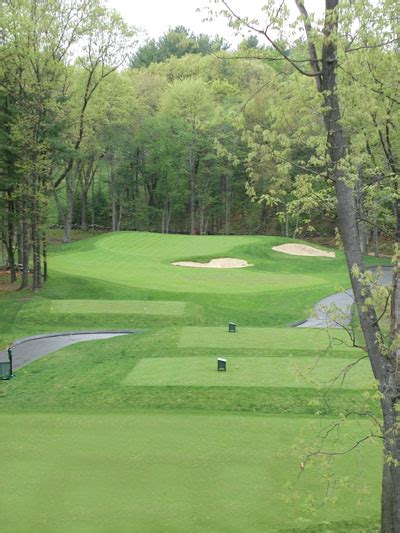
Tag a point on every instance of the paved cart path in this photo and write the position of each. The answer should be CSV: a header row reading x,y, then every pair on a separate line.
x,y
334,311
31,348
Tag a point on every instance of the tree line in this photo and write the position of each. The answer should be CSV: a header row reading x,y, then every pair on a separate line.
x,y
177,135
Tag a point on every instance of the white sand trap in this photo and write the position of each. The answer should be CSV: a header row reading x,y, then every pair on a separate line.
x,y
302,249
222,262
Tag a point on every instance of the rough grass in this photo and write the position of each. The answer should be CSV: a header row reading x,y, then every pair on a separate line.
x,y
190,456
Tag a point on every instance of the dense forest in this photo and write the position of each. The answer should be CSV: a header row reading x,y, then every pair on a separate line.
x,y
180,134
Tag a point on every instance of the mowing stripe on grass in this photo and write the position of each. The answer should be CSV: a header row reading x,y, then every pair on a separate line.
x,y
249,372
144,261
178,473
267,339
149,273
140,307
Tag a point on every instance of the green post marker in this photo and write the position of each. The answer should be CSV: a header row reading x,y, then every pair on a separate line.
x,y
10,358
221,364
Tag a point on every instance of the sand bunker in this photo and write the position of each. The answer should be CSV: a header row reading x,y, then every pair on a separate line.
x,y
222,262
302,249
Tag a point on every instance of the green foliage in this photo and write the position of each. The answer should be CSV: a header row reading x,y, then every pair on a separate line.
x,y
176,42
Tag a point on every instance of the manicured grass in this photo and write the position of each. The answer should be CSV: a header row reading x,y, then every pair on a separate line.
x,y
176,450
173,472
144,260
268,339
249,372
117,307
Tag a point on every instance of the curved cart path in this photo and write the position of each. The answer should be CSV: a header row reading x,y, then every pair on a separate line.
x,y
334,311
29,349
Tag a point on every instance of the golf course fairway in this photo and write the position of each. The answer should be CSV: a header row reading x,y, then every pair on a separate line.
x,y
140,433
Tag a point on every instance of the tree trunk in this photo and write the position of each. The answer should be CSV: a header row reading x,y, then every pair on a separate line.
x,y
120,210
166,216
25,252
3,254
227,205
87,174
287,224
382,367
84,220
36,272
11,257
390,500
44,254
60,210
192,198
113,202
192,174
202,211
20,241
389,483
70,208
93,207
396,210
296,228
10,239
376,240
263,218
362,230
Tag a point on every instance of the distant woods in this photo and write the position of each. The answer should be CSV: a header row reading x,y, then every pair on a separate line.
x,y
180,134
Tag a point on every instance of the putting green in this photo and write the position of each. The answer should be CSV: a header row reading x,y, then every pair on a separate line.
x,y
268,339
173,473
141,307
143,260
249,372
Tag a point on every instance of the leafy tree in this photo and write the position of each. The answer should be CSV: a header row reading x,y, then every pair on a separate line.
x,y
176,42
191,100
348,29
37,39
106,48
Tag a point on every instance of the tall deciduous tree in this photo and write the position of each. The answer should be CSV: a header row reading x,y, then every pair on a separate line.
x,y
39,42
191,100
359,26
37,39
107,45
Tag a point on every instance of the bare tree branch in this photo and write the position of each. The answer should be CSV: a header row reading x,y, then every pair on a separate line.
x,y
312,51
272,42
372,46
